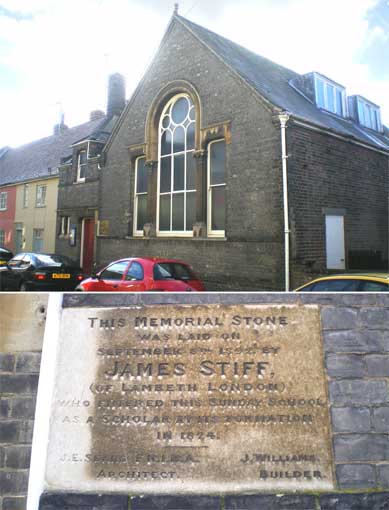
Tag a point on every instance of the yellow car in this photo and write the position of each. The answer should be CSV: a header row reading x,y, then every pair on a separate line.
x,y
368,282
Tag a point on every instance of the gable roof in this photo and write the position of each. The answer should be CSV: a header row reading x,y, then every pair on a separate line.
x,y
40,159
272,80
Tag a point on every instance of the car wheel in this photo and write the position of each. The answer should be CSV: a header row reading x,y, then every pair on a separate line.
x,y
23,287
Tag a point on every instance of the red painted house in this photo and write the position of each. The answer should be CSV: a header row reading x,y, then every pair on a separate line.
x,y
7,216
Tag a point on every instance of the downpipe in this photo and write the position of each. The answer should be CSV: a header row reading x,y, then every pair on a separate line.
x,y
284,117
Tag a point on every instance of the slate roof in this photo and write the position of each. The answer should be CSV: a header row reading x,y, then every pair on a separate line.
x,y
33,160
271,81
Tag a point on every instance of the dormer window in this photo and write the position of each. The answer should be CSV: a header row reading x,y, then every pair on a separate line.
x,y
329,95
81,166
368,114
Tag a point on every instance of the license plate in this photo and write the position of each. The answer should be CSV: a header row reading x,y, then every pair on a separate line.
x,y
61,275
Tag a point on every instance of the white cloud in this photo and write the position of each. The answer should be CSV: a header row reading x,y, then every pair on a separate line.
x,y
67,50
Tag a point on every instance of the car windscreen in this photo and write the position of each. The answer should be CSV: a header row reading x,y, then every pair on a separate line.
x,y
54,261
173,271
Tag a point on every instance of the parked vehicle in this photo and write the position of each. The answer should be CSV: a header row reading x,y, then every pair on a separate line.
x,y
144,274
5,256
348,283
40,271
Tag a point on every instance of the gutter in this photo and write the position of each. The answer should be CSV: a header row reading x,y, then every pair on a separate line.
x,y
284,117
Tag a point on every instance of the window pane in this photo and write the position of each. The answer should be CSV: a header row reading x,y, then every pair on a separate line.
x,y
377,120
218,208
166,179
141,176
178,212
217,162
166,143
320,93
190,171
374,287
164,212
339,102
367,115
337,286
179,172
190,210
141,212
179,139
180,110
135,272
115,271
361,113
190,137
330,98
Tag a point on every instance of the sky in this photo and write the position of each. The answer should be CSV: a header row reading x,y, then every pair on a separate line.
x,y
56,55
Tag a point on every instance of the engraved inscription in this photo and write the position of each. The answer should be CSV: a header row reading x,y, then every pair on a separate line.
x,y
190,398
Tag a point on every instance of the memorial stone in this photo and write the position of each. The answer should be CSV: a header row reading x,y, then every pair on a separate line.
x,y
196,398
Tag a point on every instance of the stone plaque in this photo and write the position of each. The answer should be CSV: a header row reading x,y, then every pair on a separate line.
x,y
196,398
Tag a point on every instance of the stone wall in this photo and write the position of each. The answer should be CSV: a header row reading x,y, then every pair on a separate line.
x,y
21,325
355,331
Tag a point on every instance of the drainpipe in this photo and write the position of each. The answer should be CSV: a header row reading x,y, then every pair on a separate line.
x,y
284,117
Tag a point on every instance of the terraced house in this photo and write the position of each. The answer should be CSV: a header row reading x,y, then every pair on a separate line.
x,y
256,175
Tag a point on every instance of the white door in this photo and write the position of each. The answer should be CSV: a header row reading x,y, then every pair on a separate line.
x,y
335,242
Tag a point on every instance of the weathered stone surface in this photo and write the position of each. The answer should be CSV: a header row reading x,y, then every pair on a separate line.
x,y
271,502
17,457
351,419
175,503
339,318
381,419
13,482
361,447
196,399
22,320
356,476
28,362
14,503
345,366
351,392
379,501
375,318
383,475
354,341
377,365
80,501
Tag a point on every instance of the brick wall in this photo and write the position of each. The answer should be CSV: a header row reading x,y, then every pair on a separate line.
x,y
328,173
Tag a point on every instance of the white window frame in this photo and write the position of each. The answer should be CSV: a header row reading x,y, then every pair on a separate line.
x,y
65,226
137,233
3,200
40,196
26,190
336,87
374,114
171,233
81,166
210,232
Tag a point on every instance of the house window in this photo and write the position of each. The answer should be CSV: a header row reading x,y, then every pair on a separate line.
x,y
37,240
25,195
40,199
3,200
369,115
2,238
81,166
216,188
65,226
140,204
330,96
176,168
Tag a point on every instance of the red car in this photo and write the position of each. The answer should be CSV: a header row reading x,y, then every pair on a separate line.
x,y
144,274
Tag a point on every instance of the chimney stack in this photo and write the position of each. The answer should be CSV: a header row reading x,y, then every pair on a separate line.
x,y
116,94
61,127
96,115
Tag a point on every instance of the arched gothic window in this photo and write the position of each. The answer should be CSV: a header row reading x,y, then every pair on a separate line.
x,y
176,167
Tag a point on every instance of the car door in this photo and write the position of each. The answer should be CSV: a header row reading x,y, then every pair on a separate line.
x,y
11,276
134,279
111,277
